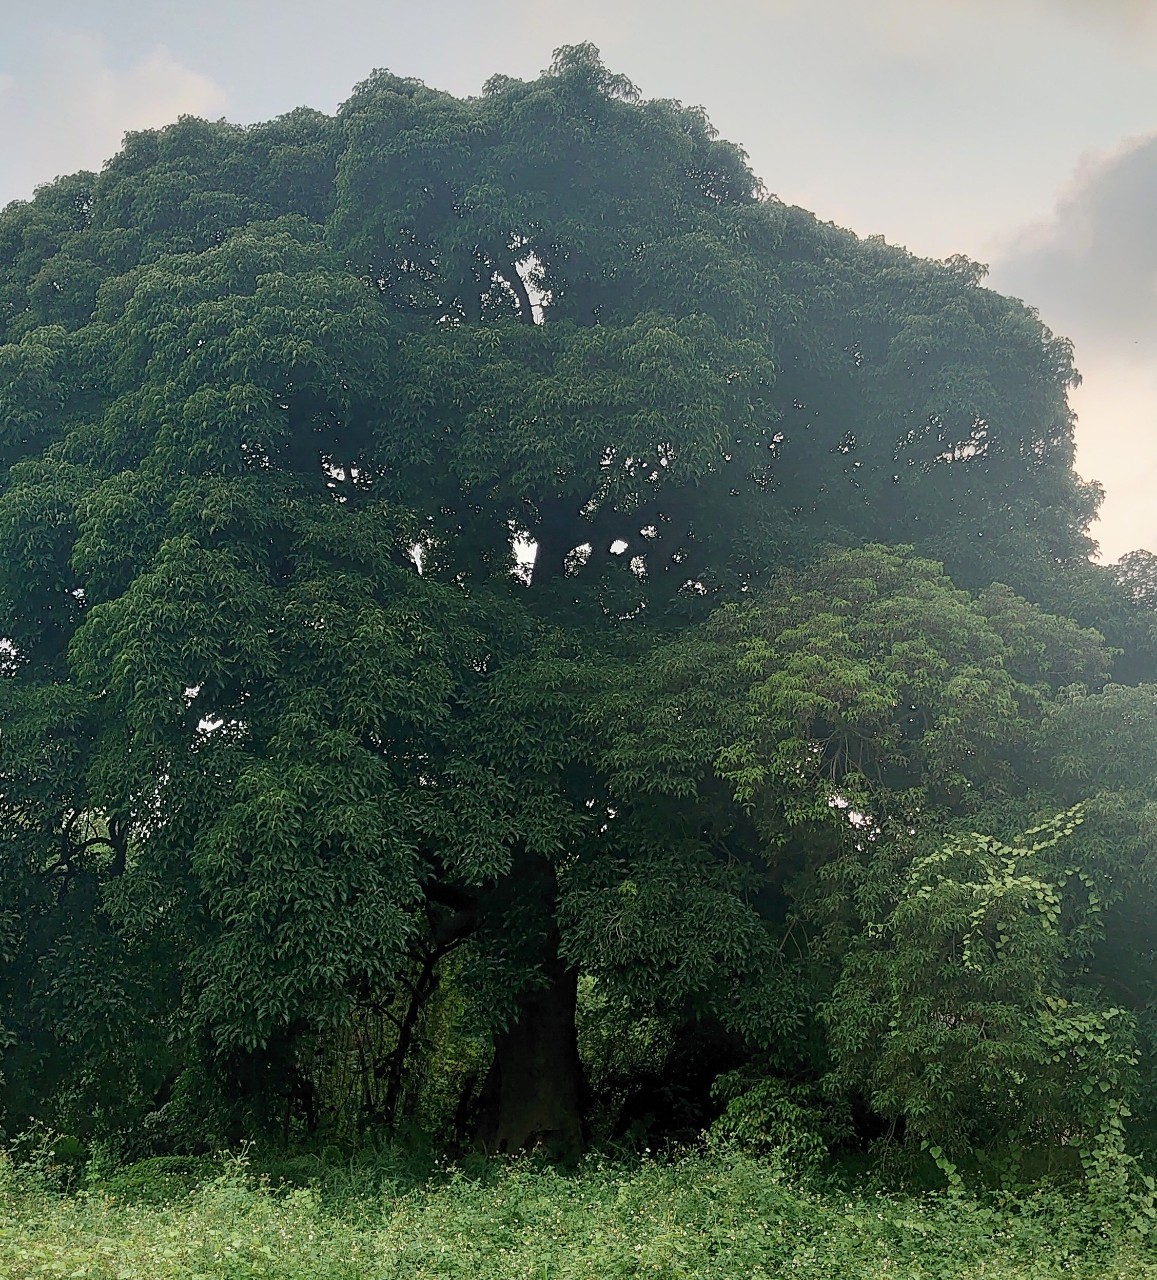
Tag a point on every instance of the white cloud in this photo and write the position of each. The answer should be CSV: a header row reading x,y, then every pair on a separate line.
x,y
1091,268
70,107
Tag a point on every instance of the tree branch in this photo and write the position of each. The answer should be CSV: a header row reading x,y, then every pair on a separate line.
x,y
516,282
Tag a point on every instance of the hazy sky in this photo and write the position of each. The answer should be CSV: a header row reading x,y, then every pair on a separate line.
x,y
1019,132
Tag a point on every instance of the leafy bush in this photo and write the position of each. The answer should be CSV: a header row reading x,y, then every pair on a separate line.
x,y
955,1011
159,1179
766,1117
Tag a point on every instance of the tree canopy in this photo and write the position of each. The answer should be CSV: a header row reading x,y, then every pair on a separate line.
x,y
488,545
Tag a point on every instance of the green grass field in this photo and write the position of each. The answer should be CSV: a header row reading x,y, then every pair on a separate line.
x,y
715,1217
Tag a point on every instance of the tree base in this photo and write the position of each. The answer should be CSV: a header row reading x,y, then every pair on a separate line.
x,y
533,1093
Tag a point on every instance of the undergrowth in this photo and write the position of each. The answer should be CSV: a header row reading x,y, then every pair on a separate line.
x,y
720,1215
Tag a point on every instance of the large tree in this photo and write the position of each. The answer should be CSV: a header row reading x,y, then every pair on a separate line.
x,y
362,477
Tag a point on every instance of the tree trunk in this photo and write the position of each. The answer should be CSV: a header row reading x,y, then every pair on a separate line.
x,y
533,1094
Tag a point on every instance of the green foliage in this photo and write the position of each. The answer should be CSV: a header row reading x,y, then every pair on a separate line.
x,y
954,1009
770,1118
623,1051
725,1216
158,1180
442,549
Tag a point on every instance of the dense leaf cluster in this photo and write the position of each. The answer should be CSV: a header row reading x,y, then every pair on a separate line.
x,y
457,545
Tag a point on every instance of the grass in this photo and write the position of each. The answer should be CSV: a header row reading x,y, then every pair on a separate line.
x,y
715,1217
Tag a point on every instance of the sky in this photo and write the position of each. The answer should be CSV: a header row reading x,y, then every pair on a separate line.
x,y
1022,133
